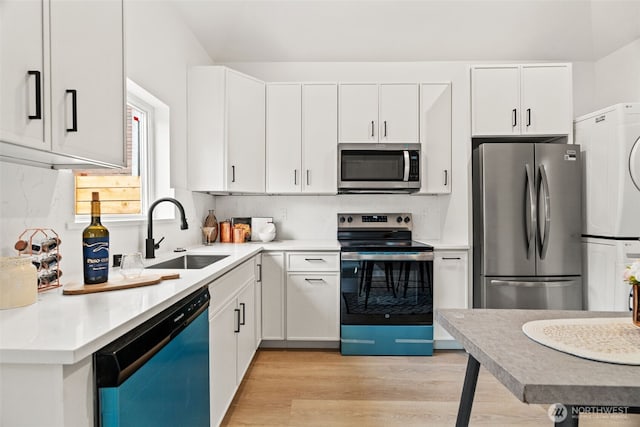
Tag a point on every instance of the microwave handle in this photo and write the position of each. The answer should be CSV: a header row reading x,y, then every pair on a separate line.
x,y
406,165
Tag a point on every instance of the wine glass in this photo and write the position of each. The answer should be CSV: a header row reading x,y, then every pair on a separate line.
x,y
131,265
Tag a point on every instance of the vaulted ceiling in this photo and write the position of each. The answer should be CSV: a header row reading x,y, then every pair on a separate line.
x,y
417,30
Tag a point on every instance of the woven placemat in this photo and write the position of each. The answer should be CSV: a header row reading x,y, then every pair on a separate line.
x,y
612,340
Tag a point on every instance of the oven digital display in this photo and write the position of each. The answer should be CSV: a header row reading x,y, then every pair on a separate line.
x,y
374,218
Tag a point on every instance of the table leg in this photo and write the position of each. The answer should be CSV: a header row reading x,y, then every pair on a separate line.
x,y
468,391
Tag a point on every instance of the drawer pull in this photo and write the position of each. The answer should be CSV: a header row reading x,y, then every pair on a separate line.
x,y
451,258
315,259
314,280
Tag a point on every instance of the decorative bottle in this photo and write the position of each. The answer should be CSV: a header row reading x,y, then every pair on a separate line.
x,y
95,246
210,228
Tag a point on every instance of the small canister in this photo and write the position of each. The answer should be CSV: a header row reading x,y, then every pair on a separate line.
x,y
239,235
18,282
225,232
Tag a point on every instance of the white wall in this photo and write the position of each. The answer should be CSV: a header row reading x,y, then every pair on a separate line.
x,y
159,51
617,76
443,217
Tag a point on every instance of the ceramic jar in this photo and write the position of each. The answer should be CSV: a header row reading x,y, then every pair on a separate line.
x,y
18,282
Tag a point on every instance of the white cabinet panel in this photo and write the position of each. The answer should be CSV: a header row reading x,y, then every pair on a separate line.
x,y
398,112
358,110
87,57
226,146
313,306
273,297
320,138
222,357
63,83
451,285
284,131
313,261
247,327
533,99
546,100
435,138
495,100
23,69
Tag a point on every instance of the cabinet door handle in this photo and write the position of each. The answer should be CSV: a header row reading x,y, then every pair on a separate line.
x,y
385,128
514,118
38,86
74,110
308,179
295,177
372,126
314,280
233,173
259,273
242,322
528,117
451,258
446,177
237,320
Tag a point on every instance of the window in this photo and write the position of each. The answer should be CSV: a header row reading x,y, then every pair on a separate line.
x,y
126,194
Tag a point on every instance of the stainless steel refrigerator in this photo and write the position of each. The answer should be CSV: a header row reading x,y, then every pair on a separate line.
x,y
527,225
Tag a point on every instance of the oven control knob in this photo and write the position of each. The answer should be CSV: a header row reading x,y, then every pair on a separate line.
x,y
341,219
407,219
399,219
349,219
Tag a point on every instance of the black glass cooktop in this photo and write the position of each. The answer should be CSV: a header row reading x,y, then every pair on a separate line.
x,y
384,245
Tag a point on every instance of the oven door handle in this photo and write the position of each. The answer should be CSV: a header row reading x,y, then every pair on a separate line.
x,y
391,256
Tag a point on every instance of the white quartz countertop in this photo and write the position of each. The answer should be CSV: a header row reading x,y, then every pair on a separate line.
x,y
64,329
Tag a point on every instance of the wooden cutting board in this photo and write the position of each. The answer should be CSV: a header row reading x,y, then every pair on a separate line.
x,y
114,285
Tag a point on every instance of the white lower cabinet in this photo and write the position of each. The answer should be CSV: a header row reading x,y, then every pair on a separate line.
x,y
451,284
273,275
232,335
300,296
313,306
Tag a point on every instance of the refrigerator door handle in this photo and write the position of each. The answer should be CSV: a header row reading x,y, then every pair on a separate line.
x,y
536,284
547,212
531,223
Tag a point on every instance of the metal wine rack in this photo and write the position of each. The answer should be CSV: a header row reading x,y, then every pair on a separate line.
x,y
43,246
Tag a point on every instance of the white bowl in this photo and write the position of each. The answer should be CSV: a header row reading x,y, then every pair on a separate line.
x,y
267,236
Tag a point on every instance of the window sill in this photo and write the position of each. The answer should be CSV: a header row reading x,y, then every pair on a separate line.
x,y
81,221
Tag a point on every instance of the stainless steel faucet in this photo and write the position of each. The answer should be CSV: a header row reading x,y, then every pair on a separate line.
x,y
151,246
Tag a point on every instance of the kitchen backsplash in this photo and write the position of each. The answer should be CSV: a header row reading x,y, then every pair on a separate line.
x,y
315,217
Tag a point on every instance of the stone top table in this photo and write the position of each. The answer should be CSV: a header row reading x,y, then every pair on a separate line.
x,y
533,372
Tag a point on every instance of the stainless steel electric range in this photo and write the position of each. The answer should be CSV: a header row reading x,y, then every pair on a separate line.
x,y
386,286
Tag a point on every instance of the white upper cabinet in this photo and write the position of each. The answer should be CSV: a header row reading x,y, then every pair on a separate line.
x,y
226,145
284,130
358,112
63,85
508,100
22,67
87,79
435,138
398,113
386,112
302,138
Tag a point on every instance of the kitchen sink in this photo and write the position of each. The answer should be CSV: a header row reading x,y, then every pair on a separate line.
x,y
189,262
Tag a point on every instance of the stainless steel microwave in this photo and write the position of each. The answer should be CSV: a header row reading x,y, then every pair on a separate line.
x,y
378,168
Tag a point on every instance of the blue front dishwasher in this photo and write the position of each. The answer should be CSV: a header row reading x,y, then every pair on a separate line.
x,y
158,373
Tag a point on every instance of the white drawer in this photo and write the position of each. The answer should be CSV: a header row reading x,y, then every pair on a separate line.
x,y
313,261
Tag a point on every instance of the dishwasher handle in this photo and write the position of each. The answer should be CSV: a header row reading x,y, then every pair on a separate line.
x,y
120,359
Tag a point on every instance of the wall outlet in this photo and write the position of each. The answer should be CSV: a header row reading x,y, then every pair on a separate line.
x,y
117,260
283,213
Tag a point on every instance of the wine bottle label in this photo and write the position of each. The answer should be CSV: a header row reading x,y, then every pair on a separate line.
x,y
96,258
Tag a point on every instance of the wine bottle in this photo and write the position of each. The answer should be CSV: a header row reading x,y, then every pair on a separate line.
x,y
95,246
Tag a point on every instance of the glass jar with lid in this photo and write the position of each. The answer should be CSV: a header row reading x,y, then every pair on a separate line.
x,y
18,282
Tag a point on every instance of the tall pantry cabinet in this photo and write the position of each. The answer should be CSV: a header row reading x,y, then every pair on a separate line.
x,y
63,84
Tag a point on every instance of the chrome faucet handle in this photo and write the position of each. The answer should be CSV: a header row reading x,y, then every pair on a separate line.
x,y
157,244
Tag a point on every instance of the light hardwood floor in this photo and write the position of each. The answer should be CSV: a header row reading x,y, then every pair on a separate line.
x,y
323,388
